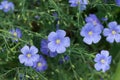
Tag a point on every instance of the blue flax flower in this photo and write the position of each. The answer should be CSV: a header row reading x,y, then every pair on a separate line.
x,y
45,50
28,56
112,33
90,33
58,42
92,18
103,60
40,64
117,2
16,34
81,3
6,6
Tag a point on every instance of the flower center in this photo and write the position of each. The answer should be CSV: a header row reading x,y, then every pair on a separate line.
x,y
113,32
90,33
58,41
15,34
28,55
6,6
39,64
102,61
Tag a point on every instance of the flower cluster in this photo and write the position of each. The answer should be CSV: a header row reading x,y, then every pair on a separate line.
x,y
91,33
56,44
6,6
29,57
92,30
80,3
103,60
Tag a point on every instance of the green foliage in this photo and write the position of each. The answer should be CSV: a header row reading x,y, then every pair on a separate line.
x,y
81,63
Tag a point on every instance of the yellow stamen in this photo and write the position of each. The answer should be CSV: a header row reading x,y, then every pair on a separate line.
x,y
58,41
102,61
6,7
39,64
28,55
15,34
90,33
113,32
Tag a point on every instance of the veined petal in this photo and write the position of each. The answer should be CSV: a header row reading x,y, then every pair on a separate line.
x,y
106,32
52,46
105,53
60,49
61,33
87,40
34,57
105,68
117,37
97,67
28,62
97,58
52,36
22,58
33,50
66,42
110,39
112,24
96,38
25,50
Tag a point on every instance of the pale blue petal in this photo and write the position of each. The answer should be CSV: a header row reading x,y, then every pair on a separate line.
x,y
118,28
98,67
1,7
25,50
66,42
97,58
52,46
112,24
109,59
28,62
105,68
52,36
34,57
60,49
117,38
106,32
96,38
87,40
83,32
110,39
22,58
33,50
61,33
105,53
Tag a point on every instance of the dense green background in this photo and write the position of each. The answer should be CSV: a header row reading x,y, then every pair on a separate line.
x,y
81,64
